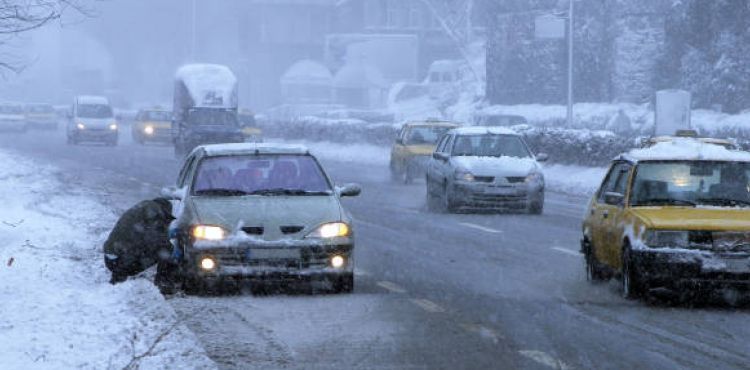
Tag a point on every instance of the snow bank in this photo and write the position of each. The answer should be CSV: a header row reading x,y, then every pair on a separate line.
x,y
578,180
59,311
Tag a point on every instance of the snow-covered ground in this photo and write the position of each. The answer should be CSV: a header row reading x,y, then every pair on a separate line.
x,y
59,311
577,180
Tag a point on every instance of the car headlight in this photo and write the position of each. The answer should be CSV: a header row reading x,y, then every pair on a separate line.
x,y
667,239
148,130
331,230
534,177
206,232
80,126
207,263
113,126
464,175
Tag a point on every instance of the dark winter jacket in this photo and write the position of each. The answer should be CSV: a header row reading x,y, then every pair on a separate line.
x,y
138,237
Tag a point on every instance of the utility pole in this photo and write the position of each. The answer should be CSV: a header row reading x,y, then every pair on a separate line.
x,y
570,64
193,31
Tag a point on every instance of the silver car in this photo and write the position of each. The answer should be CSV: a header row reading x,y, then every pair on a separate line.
x,y
262,212
484,168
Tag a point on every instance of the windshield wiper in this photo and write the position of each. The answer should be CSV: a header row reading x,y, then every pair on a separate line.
x,y
282,191
726,201
670,201
221,191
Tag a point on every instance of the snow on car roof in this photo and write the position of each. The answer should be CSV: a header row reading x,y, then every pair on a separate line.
x,y
481,130
91,99
686,149
252,148
431,123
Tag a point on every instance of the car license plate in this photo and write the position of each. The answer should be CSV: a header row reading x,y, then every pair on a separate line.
x,y
273,254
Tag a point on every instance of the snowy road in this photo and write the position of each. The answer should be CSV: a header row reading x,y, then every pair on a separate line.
x,y
433,291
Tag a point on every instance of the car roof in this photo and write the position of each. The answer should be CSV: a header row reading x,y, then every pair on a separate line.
x,y
214,150
481,130
91,99
431,123
688,149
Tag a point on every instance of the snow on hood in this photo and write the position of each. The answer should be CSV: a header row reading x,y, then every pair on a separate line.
x,y
497,166
687,149
209,83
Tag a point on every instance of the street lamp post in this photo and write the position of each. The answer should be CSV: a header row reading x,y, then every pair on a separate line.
x,y
570,64
193,27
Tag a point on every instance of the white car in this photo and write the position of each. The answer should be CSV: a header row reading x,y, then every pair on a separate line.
x,y
484,168
92,119
12,118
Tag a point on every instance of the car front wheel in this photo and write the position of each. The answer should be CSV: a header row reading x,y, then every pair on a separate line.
x,y
594,269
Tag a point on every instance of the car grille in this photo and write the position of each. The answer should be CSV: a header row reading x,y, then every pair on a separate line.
x,y
721,241
253,230
291,229
515,179
309,257
497,200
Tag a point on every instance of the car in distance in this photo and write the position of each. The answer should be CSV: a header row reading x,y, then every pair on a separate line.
x,y
92,120
488,168
41,116
414,146
152,125
12,118
262,212
249,126
672,216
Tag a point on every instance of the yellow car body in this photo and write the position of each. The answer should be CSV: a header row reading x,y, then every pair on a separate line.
x,y
409,153
152,126
250,129
671,216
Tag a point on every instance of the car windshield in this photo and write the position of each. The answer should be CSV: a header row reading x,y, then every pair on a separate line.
x,y
692,183
262,175
424,135
490,145
94,111
217,117
156,116
40,109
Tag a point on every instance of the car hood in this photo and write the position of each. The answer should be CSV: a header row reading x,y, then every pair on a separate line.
x,y
11,117
497,166
269,212
686,218
420,149
99,123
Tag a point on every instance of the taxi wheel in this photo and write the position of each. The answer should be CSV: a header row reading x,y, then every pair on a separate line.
x,y
448,205
632,284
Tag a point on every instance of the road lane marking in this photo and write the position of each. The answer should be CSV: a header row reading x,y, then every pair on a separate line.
x,y
483,332
393,287
133,179
480,227
427,305
544,359
566,251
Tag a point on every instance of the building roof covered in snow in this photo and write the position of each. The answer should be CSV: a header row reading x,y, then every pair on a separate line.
x,y
358,75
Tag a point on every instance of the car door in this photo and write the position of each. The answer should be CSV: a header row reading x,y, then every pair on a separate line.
x,y
398,150
443,166
600,212
614,226
433,170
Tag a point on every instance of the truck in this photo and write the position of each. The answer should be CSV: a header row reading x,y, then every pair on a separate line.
x,y
204,107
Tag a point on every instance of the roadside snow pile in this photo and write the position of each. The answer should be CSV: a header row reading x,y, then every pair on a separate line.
x,y
59,311
577,180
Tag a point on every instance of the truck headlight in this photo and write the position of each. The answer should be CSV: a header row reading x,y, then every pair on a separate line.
x,y
148,130
667,239
206,232
338,261
113,126
81,126
331,230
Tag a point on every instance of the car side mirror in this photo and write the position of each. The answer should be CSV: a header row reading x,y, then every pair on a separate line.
x,y
171,193
440,156
349,190
613,198
542,157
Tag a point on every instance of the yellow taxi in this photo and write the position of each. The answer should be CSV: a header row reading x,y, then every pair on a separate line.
x,y
413,147
671,218
249,126
152,125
